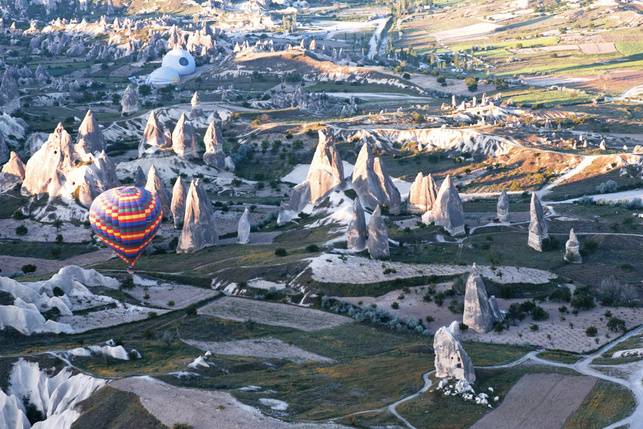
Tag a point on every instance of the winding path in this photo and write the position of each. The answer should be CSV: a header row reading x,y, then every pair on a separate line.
x,y
634,381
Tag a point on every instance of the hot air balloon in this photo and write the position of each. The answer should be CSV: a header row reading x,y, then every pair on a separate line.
x,y
126,219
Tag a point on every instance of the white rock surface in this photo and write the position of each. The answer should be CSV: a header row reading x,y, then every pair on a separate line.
x,y
14,166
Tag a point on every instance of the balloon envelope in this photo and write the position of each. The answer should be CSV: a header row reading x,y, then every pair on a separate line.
x,y
126,219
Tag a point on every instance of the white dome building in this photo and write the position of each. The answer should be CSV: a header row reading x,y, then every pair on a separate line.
x,y
164,76
180,60
176,63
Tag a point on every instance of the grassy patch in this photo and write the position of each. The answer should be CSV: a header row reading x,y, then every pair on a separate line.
x,y
111,408
605,404
559,356
37,249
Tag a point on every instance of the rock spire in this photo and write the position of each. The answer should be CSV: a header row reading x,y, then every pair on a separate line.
x,y
447,210
451,360
538,230
357,234
199,229
377,242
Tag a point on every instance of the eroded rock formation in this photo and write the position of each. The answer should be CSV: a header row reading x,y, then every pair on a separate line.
x,y
451,360
422,194
326,171
357,234
502,207
184,139
478,310
538,230
177,206
372,184
572,249
154,136
243,228
90,137
377,242
447,210
156,187
199,229
214,155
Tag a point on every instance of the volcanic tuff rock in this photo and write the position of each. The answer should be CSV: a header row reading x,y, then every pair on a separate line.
x,y
422,194
572,249
129,100
139,177
299,199
184,139
451,360
154,136
377,242
502,207
243,228
478,312
14,166
8,87
447,210
213,156
90,137
326,171
357,234
538,230
177,207
195,102
156,187
199,230
371,183
4,149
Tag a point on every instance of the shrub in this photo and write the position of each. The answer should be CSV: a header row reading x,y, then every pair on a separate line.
x,y
582,299
613,292
591,331
395,305
312,248
471,83
21,230
539,313
281,252
28,268
439,299
171,303
128,283
561,294
534,327
58,291
615,324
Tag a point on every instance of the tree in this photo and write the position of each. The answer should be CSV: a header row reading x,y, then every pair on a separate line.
x,y
591,331
472,83
28,268
615,324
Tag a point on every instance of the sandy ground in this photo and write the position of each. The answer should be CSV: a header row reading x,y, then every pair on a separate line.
x,y
124,313
553,333
271,348
200,408
538,401
275,314
465,33
330,268
160,293
12,264
37,231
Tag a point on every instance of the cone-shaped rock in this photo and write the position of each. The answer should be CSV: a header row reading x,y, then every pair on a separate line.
x,y
447,210
90,137
4,149
156,187
199,230
14,166
54,156
299,199
177,206
184,139
154,136
377,242
422,194
572,249
357,234
326,170
502,207
140,179
129,100
538,230
451,360
371,183
214,155
195,102
243,228
478,314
